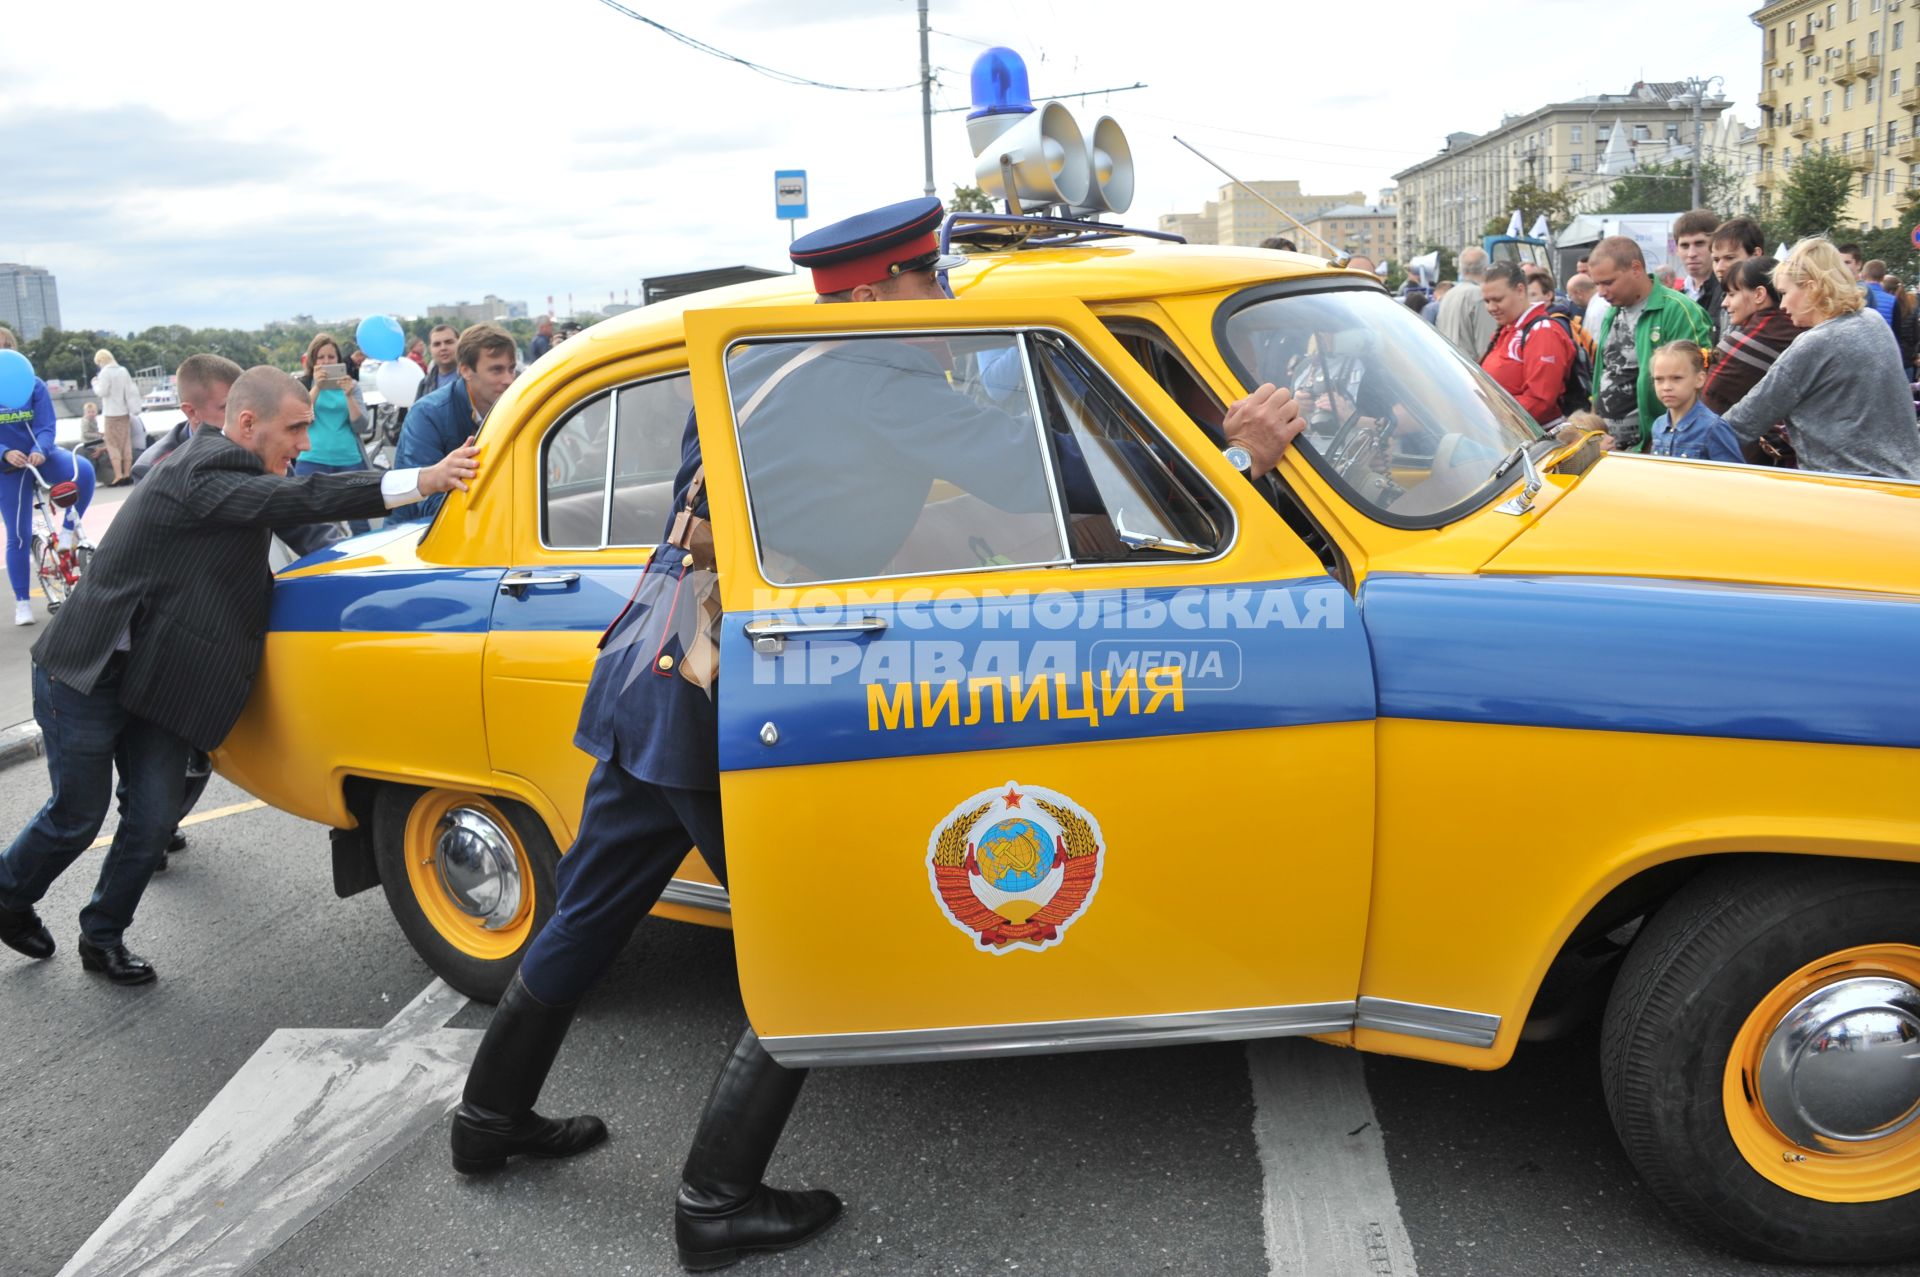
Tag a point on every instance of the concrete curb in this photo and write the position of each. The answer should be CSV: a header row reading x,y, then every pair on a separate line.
x,y
19,743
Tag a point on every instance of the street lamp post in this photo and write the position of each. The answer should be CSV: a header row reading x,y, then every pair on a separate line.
x,y
1696,97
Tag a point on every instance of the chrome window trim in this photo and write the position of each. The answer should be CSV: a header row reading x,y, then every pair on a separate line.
x,y
1166,471
1416,1019
697,895
1023,341
606,489
1018,332
606,486
906,1046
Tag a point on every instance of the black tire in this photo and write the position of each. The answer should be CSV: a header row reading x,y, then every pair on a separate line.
x,y
481,978
1696,973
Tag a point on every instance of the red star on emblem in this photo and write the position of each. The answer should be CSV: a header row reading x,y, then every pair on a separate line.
x,y
1012,797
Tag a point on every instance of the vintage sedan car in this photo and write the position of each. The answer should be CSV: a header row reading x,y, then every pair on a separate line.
x,y
1448,735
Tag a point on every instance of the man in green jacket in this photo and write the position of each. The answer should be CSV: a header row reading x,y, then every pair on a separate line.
x,y
1646,315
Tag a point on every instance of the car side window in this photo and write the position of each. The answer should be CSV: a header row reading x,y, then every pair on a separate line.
x,y
1131,495
649,425
885,456
573,477
646,422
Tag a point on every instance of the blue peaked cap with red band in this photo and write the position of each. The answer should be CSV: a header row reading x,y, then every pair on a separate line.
x,y
875,245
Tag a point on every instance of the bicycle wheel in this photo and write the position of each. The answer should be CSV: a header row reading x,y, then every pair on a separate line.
x,y
46,566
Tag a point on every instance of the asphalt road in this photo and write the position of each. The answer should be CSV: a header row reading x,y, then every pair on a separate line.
x,y
1127,1162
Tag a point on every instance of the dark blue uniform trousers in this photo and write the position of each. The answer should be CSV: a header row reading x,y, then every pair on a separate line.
x,y
633,835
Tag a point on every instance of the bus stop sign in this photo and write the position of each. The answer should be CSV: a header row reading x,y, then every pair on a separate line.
x,y
790,193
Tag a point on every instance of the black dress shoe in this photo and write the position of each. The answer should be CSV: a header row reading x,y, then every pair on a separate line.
x,y
178,842
115,962
22,931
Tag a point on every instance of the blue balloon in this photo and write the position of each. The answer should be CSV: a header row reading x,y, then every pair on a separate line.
x,y
381,338
16,380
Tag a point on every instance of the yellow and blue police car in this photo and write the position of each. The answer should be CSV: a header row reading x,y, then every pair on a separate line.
x,y
1448,734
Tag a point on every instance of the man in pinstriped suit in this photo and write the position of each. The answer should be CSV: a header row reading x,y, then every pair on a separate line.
x,y
156,651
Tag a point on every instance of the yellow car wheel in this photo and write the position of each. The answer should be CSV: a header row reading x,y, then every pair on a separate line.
x,y
469,877
1761,1058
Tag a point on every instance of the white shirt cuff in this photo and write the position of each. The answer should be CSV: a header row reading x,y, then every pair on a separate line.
x,y
400,487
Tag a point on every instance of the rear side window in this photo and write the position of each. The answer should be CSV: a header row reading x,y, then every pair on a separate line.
x,y
573,473
888,456
607,467
650,426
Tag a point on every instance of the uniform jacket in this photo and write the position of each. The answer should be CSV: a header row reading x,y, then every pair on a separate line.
x,y
1667,316
183,572
434,427
661,728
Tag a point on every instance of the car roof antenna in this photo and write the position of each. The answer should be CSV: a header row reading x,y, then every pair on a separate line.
x,y
1335,256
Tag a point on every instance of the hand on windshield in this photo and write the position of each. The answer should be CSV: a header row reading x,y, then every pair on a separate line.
x,y
1264,423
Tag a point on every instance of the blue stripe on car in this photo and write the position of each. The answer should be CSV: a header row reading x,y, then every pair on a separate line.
x,y
1270,655
450,600
1634,655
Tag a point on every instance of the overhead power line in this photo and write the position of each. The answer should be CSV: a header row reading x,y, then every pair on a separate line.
x,y
784,77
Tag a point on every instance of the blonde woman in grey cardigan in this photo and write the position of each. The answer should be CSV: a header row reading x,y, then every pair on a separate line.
x,y
1839,388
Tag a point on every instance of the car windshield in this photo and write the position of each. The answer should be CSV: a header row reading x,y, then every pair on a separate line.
x,y
1411,429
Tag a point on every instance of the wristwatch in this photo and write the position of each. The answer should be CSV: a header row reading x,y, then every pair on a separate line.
x,y
1239,458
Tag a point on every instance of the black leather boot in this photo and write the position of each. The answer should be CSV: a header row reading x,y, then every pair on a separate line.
x,y
495,1119
724,1211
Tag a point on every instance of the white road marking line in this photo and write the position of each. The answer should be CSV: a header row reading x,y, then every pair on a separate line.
x,y
1330,1209
314,1112
198,818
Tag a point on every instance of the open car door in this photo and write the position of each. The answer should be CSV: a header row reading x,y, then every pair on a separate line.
x,y
1039,729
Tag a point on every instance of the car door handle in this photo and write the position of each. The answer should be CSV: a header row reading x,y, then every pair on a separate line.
x,y
518,583
770,637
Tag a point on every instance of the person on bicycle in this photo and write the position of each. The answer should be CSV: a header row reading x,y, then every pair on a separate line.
x,y
26,439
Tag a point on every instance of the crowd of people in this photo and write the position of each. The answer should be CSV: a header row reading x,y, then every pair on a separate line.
x,y
1731,356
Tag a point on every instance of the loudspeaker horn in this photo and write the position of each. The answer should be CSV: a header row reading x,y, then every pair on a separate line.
x,y
1110,166
1047,157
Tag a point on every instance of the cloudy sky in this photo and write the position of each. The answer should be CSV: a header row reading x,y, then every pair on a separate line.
x,y
227,162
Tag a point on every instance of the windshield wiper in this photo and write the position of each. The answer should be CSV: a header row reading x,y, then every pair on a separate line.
x,y
1521,501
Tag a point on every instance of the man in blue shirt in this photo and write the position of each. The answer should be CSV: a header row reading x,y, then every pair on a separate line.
x,y
486,356
441,345
1873,278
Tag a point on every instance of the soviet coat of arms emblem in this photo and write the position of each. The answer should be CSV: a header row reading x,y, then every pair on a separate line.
x,y
1013,867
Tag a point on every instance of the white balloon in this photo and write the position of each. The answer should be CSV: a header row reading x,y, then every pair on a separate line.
x,y
397,380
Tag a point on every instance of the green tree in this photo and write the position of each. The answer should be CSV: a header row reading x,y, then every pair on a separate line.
x,y
1668,188
1894,244
1532,200
969,199
1814,195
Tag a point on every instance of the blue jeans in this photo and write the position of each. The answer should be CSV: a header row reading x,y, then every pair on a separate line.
x,y
356,526
87,735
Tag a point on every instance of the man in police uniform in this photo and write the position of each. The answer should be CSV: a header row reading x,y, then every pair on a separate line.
x,y
655,794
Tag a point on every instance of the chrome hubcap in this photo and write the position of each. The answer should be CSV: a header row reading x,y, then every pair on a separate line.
x,y
1843,1066
477,866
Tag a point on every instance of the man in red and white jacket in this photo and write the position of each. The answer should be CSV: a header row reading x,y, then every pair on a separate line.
x,y
1531,356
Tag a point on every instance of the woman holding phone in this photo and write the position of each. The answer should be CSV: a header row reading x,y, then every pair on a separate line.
x,y
333,439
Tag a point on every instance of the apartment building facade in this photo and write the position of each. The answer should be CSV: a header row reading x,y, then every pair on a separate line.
x,y
1373,229
1235,217
1448,200
1842,76
29,300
